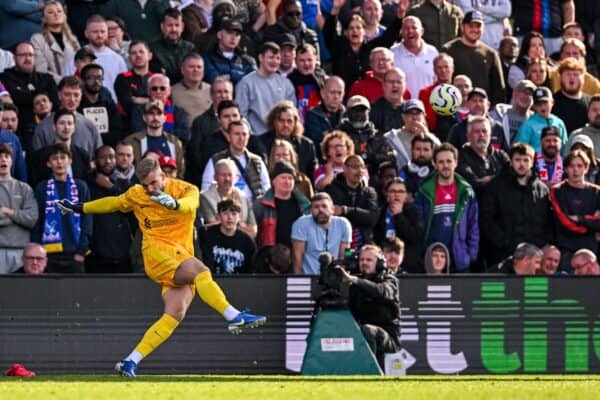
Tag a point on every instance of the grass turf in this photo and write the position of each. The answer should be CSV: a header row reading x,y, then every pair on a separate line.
x,y
183,387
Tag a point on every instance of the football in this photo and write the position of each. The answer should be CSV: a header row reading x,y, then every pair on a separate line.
x,y
445,99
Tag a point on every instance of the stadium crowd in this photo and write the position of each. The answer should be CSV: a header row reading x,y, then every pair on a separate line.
x,y
308,128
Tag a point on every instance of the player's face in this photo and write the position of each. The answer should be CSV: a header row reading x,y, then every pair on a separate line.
x,y
5,164
367,262
521,164
230,219
155,182
445,164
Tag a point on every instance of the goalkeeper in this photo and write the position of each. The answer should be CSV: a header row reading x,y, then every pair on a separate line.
x,y
165,209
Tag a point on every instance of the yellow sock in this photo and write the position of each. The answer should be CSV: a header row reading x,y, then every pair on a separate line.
x,y
157,334
210,292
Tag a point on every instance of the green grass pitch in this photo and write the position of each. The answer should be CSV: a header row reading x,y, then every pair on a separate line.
x,y
213,387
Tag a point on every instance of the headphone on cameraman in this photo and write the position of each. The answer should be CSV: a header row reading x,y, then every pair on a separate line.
x,y
381,264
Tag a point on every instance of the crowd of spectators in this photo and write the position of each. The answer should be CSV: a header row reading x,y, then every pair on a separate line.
x,y
308,128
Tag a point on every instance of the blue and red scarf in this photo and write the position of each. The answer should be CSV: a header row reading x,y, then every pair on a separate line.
x,y
53,230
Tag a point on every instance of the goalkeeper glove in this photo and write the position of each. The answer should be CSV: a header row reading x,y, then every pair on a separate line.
x,y
67,206
165,200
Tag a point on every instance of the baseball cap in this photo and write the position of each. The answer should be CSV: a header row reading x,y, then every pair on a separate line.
x,y
550,131
473,16
584,140
287,39
84,53
542,93
231,25
167,161
358,100
158,104
413,104
526,84
477,91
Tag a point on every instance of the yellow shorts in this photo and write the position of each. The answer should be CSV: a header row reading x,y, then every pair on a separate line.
x,y
161,262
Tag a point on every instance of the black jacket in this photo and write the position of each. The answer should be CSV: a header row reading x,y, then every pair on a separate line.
x,y
363,212
458,135
472,167
385,116
511,213
38,170
304,147
303,34
375,300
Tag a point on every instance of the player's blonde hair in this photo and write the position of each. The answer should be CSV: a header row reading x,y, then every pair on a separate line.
x,y
147,165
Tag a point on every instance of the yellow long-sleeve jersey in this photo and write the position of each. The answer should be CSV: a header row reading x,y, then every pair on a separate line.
x,y
159,225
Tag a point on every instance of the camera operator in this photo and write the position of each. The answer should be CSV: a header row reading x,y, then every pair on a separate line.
x,y
374,301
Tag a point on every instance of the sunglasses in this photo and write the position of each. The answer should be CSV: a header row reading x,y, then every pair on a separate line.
x,y
294,14
158,88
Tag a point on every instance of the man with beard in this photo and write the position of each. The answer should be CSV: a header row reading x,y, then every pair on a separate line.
x,y
570,103
511,116
317,233
125,170
478,162
102,111
420,166
549,164
385,112
592,128
291,22
450,210
112,233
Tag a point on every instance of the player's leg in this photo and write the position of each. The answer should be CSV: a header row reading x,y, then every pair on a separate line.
x,y
177,300
194,271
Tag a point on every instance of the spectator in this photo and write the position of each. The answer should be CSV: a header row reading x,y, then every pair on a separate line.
x,y
413,115
86,135
155,138
19,20
96,32
525,15
287,43
532,48
63,128
495,17
251,175
142,20
319,232
371,146
592,128
168,165
570,103
259,91
100,110
386,111
538,71
575,204
420,166
508,52
403,220
307,78
55,43
113,232
374,302
327,114
585,262
291,22
550,260
530,131
252,13
441,20
350,53
585,144
283,122
281,205
7,60
356,201
223,188
573,48
449,221
335,148
18,169
444,124
226,249
125,170
549,163
525,261
197,18
10,118
65,237
282,150
372,12
170,49
414,56
386,172
437,259
116,38
159,88
34,260
42,107
478,161
393,252
22,82
511,116
226,57
18,213
191,94
574,30
515,207
443,68
476,59
381,60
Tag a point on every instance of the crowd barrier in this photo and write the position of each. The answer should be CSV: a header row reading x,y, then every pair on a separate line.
x,y
450,325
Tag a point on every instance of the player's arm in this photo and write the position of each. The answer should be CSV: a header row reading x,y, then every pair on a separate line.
x,y
190,200
104,205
